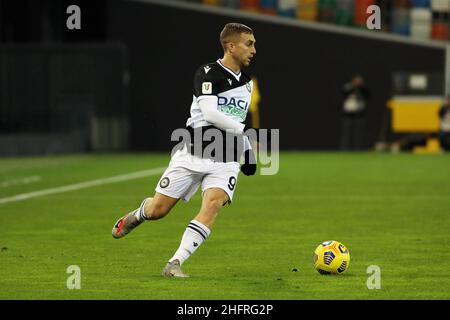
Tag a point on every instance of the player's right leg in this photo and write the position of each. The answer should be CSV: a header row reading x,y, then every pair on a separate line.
x,y
177,182
150,209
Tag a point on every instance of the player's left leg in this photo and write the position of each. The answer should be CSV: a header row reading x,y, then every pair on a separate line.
x,y
177,182
150,209
197,231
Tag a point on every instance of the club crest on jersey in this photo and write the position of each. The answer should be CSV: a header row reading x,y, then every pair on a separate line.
x,y
164,182
206,87
247,85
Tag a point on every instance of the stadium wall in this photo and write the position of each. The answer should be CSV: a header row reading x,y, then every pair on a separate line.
x,y
300,71
63,98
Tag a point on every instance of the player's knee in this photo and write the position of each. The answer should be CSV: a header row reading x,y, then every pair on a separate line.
x,y
156,210
214,200
213,205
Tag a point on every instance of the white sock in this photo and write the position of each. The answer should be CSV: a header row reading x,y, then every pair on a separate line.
x,y
140,212
196,232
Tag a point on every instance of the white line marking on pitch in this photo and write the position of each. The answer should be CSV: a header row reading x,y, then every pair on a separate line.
x,y
83,185
16,182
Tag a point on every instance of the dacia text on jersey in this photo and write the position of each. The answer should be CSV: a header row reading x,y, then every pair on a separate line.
x,y
238,109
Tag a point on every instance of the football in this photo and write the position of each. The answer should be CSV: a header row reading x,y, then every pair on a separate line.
x,y
331,257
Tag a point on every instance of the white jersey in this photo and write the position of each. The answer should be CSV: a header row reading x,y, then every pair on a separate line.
x,y
233,91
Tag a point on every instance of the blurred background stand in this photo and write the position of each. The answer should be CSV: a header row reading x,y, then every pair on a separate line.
x,y
61,98
414,108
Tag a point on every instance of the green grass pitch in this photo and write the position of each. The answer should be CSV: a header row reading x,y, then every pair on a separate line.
x,y
392,211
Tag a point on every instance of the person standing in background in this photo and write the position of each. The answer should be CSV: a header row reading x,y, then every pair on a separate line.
x,y
354,105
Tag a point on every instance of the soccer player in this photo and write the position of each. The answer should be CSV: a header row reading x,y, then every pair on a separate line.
x,y
221,99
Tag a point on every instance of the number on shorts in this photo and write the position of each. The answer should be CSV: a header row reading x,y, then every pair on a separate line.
x,y
231,183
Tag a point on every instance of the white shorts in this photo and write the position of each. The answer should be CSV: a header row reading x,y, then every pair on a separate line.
x,y
186,172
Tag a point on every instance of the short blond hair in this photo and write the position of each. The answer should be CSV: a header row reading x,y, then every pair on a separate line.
x,y
231,30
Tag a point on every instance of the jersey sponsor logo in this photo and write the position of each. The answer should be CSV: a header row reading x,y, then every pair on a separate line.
x,y
232,102
207,68
206,87
230,81
234,112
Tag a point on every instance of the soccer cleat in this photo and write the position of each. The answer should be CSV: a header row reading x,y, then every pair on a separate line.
x,y
124,225
173,269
